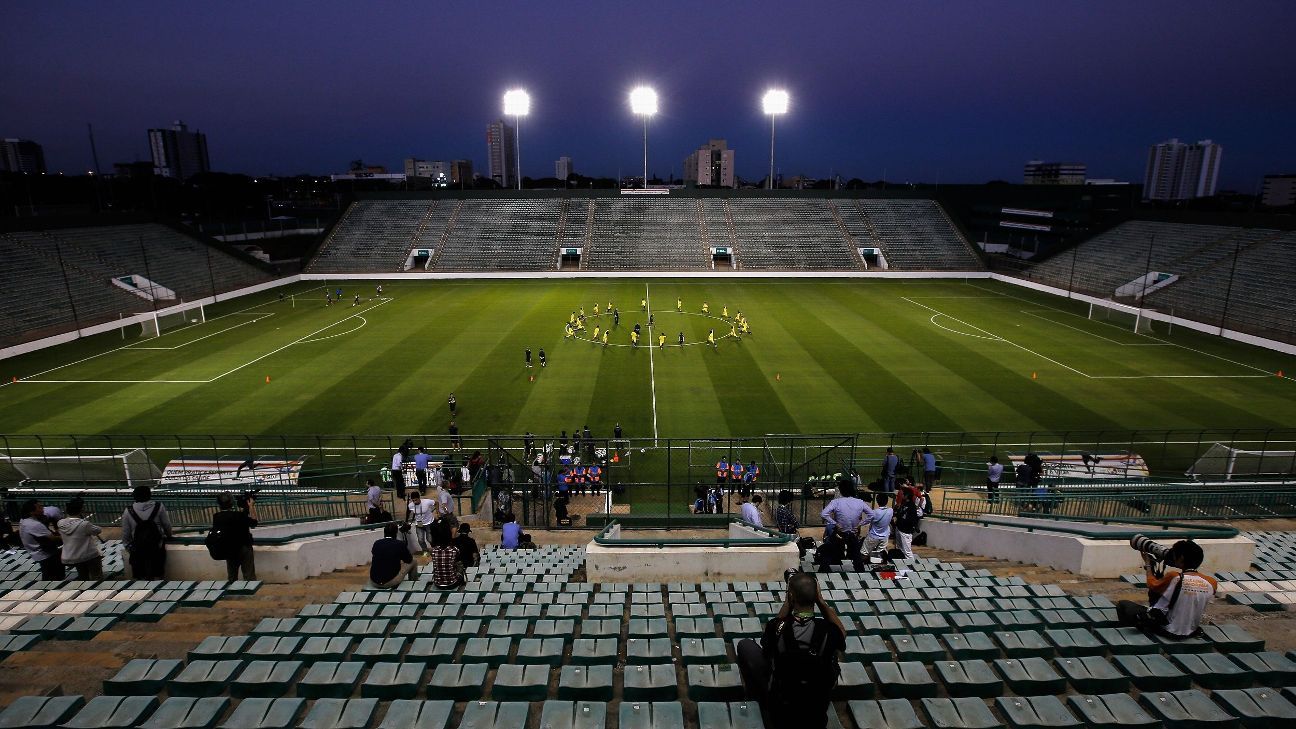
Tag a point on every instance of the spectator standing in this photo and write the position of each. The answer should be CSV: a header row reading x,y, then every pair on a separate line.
x,y
447,568
421,514
785,516
374,500
469,554
792,671
879,521
80,542
1036,468
750,509
145,527
444,508
929,469
890,462
455,442
842,518
391,562
421,461
994,473
41,543
235,528
907,515
398,471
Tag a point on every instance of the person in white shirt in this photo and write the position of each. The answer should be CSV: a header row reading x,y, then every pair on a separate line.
x,y
750,509
994,472
879,524
421,514
1177,599
398,472
445,507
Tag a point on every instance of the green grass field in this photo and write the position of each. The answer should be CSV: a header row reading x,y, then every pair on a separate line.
x,y
824,356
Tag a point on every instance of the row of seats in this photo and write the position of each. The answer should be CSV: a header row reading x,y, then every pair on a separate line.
x,y
914,235
17,563
1271,584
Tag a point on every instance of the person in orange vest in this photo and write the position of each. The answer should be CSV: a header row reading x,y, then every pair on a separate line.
x,y
722,471
736,472
578,479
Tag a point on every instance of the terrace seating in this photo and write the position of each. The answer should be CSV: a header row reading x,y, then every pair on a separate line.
x,y
642,234
377,235
782,234
915,235
1270,584
503,235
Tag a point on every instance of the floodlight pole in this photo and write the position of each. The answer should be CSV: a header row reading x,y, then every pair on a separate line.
x,y
769,182
517,147
645,151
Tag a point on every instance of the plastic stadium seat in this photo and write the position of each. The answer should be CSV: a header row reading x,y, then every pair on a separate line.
x,y
573,715
432,651
142,676
1126,641
404,714
340,714
648,628
457,682
881,624
1062,618
83,628
183,712
149,612
1074,642
520,683
922,648
265,679
219,647
713,682
1111,711
959,713
1022,643
737,715
269,647
1035,712
1153,673
650,650
506,628
263,713
322,648
1213,670
10,644
974,622
585,683
1186,710
330,680
926,623
203,678
390,680
277,626
1030,676
1182,645
1259,708
602,628
650,682
691,628
113,712
703,650
564,629
867,649
963,646
884,714
459,628
540,651
1092,674
651,715
741,628
31,712
972,677
1271,668
1231,639
591,651
492,651
853,682
904,680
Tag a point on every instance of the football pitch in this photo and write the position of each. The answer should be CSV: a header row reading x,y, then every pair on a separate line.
x,y
822,356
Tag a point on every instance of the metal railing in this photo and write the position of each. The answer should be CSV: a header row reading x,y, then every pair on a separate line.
x,y
1134,527
1184,504
188,510
606,538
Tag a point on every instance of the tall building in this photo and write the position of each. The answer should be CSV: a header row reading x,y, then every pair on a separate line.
x,y
1039,172
178,152
22,155
1279,191
712,164
563,168
1178,171
501,154
461,172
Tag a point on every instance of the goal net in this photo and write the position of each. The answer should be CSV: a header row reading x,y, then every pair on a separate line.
x,y
172,318
129,468
1221,461
1124,316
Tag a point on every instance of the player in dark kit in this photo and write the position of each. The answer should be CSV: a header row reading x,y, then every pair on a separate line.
x,y
528,357
542,357
452,402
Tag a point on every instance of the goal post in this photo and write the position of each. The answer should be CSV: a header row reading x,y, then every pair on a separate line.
x,y
1227,462
1125,316
172,318
129,468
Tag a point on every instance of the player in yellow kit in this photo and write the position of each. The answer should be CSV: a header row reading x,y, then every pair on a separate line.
x,y
679,304
711,339
706,309
661,341
724,312
634,339
604,339
596,332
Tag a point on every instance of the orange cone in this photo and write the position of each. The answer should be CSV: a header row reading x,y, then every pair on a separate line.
x,y
267,379
778,376
15,379
533,378
1280,374
1034,376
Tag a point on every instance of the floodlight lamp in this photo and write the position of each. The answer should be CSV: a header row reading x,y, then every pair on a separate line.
x,y
775,101
517,102
643,100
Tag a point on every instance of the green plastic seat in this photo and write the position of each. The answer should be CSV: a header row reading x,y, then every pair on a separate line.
x,y
270,647
974,622
413,628
219,647
330,680
1030,676
1126,641
649,682
1022,643
651,715
694,628
969,678
1035,712
524,612
506,628
82,628
904,680
113,712
648,650
1213,670
1271,668
564,629
708,682
1153,673
959,713
459,628
585,683
277,626
184,712
432,651
741,628
340,714
648,628
926,623
867,649
11,644
33,712
1062,618
408,714
922,647
521,683
736,715
853,682
1111,711
880,624
703,650
1092,674
592,651
492,651
884,714
1258,708
458,682
373,650
323,648
495,715
1074,642
149,612
573,715
963,646
1186,710
264,679
540,651
142,676
563,612
1231,639
1194,644
600,628
391,680
203,678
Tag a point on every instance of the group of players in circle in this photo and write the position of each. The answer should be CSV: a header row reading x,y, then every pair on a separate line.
x,y
578,323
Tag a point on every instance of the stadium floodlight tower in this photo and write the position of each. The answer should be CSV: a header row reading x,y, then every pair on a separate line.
x,y
775,103
517,104
643,101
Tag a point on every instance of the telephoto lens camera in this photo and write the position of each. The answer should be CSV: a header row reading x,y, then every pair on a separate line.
x,y
1154,553
242,498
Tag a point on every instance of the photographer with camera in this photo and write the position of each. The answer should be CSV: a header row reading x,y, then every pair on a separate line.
x,y
231,535
1177,599
792,671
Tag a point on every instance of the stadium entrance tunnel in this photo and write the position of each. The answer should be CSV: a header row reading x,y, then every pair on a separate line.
x,y
715,550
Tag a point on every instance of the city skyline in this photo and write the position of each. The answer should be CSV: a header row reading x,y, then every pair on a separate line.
x,y
929,92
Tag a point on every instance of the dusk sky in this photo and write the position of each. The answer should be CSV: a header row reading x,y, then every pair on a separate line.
x,y
918,91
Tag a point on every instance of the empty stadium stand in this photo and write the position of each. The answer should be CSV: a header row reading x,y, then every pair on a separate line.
x,y
790,234
647,234
505,235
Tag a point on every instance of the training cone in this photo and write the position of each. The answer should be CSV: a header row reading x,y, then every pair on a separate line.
x,y
15,379
1034,376
533,378
267,379
1280,374
778,376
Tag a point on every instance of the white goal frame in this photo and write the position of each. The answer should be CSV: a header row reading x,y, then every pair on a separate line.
x,y
164,320
1103,310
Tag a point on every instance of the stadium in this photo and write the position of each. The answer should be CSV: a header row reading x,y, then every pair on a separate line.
x,y
652,406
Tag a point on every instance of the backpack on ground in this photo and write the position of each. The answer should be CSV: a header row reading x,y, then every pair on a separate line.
x,y
147,536
803,671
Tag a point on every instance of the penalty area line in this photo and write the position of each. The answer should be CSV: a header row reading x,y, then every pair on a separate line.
x,y
652,372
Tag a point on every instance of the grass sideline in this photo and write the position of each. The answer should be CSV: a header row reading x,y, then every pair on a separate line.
x,y
824,356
